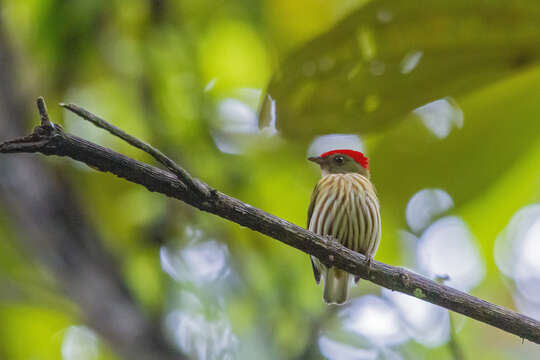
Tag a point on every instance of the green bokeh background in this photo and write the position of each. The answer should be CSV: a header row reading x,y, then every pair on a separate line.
x,y
161,70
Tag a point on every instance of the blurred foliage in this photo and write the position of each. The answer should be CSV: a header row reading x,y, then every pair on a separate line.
x,y
191,76
389,58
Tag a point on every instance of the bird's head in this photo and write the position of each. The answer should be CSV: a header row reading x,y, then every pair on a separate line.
x,y
342,161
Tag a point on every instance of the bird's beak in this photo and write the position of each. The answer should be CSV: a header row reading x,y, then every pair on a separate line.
x,y
316,159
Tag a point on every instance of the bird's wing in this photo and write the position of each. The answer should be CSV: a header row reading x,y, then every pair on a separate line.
x,y
312,204
316,272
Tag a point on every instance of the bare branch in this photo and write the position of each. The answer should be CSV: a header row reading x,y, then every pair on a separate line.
x,y
329,252
42,108
182,174
453,344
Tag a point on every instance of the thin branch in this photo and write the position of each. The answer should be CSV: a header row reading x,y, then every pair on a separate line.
x,y
453,344
192,183
42,108
330,253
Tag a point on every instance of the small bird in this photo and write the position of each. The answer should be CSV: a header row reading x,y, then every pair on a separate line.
x,y
344,207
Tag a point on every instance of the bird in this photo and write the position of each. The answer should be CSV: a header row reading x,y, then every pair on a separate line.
x,y
344,207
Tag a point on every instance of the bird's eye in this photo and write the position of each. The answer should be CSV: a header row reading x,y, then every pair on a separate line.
x,y
339,159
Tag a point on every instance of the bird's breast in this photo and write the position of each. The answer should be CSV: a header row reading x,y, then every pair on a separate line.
x,y
345,207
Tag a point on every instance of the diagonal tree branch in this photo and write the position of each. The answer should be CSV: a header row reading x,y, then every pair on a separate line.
x,y
192,183
56,142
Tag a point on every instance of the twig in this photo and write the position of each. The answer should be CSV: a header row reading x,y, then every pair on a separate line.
x,y
330,253
42,108
453,344
192,183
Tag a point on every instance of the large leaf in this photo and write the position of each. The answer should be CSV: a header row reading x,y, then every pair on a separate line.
x,y
389,57
501,126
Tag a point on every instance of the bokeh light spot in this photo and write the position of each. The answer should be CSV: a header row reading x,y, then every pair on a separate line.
x,y
447,248
334,350
410,61
329,142
428,324
198,263
425,206
375,319
441,116
80,343
516,253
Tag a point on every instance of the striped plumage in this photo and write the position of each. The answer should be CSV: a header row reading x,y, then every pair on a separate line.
x,y
344,206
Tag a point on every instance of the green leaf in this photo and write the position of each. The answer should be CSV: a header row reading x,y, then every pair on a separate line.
x,y
390,57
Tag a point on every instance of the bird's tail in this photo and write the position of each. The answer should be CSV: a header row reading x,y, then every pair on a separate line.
x,y
336,286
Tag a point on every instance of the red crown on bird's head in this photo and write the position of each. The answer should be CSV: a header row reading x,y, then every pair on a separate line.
x,y
356,155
